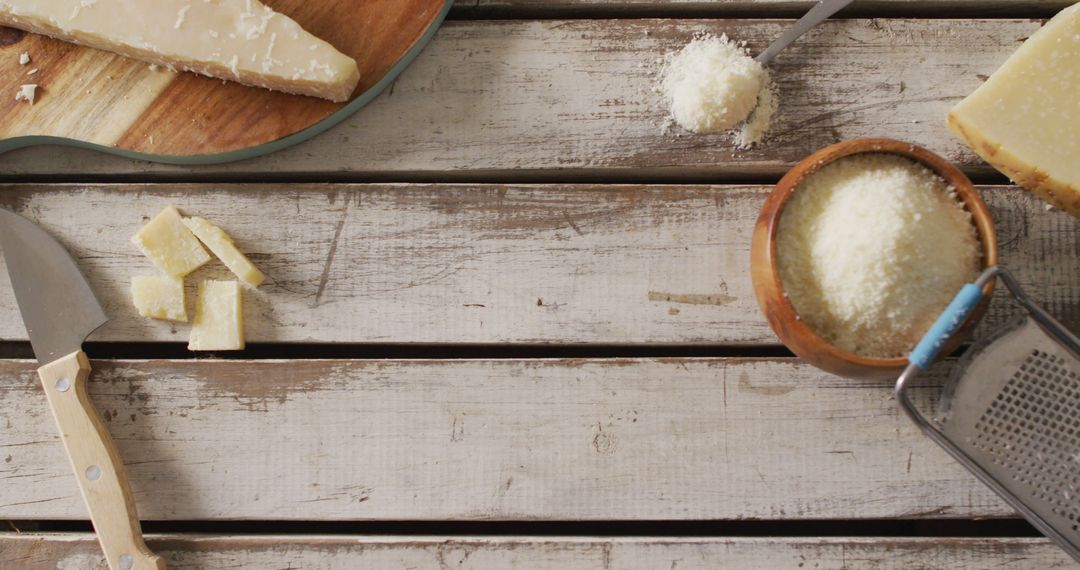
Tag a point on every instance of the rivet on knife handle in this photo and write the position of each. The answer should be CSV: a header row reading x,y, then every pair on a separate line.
x,y
97,465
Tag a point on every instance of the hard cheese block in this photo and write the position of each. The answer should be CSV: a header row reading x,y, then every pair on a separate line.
x,y
222,246
159,297
238,40
219,317
170,244
1025,119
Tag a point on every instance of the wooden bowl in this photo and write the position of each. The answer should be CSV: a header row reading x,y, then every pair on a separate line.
x,y
796,334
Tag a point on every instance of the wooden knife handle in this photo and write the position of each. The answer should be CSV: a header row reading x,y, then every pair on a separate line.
x,y
97,465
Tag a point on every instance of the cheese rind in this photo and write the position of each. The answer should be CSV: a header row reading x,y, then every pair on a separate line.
x,y
170,244
1025,119
222,246
238,40
159,297
219,318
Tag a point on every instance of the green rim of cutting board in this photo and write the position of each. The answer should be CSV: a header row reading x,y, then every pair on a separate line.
x,y
259,150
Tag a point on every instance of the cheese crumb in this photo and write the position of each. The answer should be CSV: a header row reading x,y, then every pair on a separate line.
x,y
24,58
180,16
871,249
32,71
753,130
27,93
713,84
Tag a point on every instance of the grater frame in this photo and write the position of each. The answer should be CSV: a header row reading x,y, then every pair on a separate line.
x,y
980,421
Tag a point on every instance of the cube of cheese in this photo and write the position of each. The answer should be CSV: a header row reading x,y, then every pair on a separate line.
x,y
1025,119
222,246
219,317
159,297
170,244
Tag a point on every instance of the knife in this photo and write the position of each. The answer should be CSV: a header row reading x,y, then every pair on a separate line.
x,y
60,311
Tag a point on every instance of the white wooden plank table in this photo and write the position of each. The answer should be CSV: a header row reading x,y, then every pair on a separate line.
x,y
508,321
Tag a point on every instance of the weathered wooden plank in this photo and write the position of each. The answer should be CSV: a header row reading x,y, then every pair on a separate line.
x,y
757,8
512,99
484,264
79,552
675,439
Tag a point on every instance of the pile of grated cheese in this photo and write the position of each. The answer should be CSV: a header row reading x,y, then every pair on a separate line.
x,y
871,249
713,85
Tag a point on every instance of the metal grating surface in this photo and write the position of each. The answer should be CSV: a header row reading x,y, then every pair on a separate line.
x,y
1032,431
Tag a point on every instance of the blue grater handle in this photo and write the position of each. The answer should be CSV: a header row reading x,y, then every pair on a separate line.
x,y
955,314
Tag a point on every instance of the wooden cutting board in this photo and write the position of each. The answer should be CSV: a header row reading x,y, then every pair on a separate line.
x,y
88,97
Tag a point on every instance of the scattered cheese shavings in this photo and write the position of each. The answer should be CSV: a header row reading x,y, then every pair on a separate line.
x,y
871,249
180,16
24,58
27,93
32,71
753,130
269,60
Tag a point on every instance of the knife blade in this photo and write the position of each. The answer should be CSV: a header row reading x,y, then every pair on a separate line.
x,y
59,310
57,305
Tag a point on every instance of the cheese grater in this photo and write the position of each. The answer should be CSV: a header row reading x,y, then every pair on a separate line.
x,y
1010,411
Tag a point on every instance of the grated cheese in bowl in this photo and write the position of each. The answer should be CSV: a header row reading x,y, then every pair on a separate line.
x,y
870,251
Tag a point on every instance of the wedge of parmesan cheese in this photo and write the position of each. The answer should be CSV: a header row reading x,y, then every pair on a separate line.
x,y
170,244
238,40
219,318
222,246
159,297
1025,119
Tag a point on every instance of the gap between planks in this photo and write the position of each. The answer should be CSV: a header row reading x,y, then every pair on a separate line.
x,y
447,351
917,528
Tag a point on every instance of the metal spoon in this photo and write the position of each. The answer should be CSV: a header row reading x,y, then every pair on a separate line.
x,y
815,16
